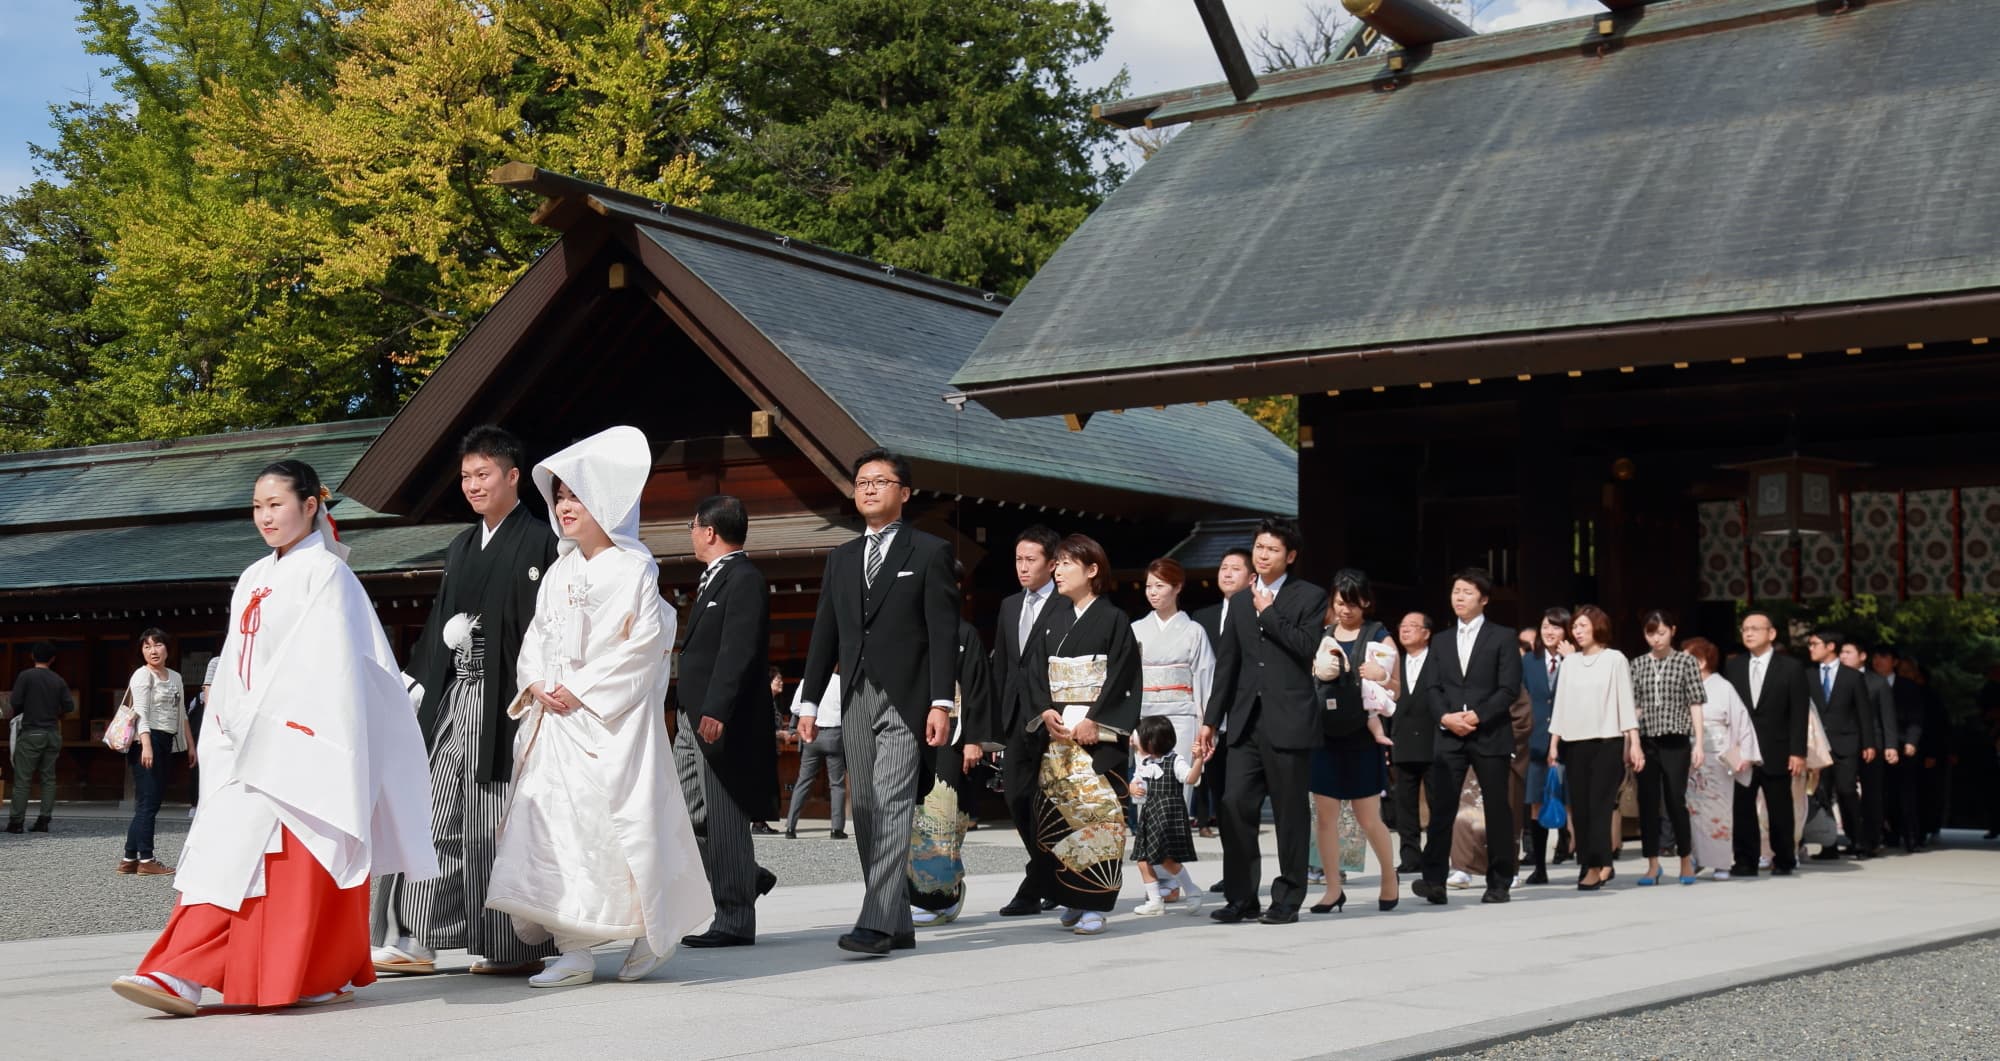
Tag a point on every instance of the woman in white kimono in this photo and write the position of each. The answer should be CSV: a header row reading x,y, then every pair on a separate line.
x,y
596,844
1729,751
313,780
1177,661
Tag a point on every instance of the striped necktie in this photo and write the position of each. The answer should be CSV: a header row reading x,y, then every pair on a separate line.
x,y
875,551
708,575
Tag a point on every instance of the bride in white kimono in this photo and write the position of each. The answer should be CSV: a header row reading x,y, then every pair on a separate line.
x,y
1178,663
596,844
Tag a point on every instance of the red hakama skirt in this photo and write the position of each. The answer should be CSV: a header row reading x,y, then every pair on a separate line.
x,y
303,936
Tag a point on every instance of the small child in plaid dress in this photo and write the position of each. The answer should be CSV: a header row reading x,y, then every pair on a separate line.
x,y
1162,838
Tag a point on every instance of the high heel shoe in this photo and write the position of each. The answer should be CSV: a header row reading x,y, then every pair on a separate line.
x,y
1651,880
1386,905
1332,907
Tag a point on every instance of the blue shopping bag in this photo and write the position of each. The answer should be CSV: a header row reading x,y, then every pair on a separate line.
x,y
1554,814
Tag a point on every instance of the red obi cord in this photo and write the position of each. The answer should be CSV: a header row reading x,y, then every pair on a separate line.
x,y
252,618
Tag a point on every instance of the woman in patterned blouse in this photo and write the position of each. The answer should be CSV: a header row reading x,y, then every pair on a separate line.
x,y
1666,684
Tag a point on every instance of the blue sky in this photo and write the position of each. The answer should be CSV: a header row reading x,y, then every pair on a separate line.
x,y
1161,42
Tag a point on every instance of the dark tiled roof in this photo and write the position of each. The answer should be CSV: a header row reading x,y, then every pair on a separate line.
x,y
884,348
147,480
1731,156
208,551
1204,546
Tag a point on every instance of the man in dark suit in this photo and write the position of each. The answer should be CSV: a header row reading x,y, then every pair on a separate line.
x,y
1414,736
724,747
1902,734
1273,723
888,615
1853,728
1232,576
1007,722
1773,686
1477,676
491,574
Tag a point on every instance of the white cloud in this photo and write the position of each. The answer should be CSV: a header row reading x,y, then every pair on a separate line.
x,y
1534,12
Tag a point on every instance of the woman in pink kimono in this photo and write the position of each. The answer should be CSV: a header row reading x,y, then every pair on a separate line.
x,y
1729,751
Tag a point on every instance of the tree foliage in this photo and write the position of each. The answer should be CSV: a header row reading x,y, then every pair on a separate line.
x,y
285,219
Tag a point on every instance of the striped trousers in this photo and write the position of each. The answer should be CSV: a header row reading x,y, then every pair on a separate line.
x,y
722,831
449,910
883,758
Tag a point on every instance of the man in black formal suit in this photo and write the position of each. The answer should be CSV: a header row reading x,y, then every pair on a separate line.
x,y
1852,728
1773,686
1414,736
1232,574
484,604
1273,723
1874,762
1476,677
1902,734
1007,723
888,615
724,747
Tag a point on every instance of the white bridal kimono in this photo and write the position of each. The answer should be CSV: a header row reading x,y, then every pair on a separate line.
x,y
308,729
596,843
1179,670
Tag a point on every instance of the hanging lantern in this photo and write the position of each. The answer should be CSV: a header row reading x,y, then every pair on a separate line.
x,y
1794,495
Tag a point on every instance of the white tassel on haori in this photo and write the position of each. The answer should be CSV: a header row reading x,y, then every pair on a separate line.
x,y
458,630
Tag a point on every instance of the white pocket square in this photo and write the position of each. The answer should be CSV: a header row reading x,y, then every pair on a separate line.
x,y
713,603
904,574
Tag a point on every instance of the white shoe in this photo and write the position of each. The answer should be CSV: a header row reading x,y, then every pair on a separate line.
x,y
949,914
1720,874
405,956
1315,875
162,991
921,916
640,961
1458,879
327,998
573,969
1089,924
1764,862
1151,907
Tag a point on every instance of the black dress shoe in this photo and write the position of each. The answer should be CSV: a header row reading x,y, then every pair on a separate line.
x,y
1781,871
1022,906
1744,872
1539,876
1049,904
1231,914
766,880
1827,854
1279,916
903,941
41,826
715,937
837,834
1220,887
1429,891
15,826
762,829
1408,866
868,941
1494,895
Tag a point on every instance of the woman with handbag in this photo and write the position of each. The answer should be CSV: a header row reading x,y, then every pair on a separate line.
x,y
1351,766
161,729
1730,750
1593,722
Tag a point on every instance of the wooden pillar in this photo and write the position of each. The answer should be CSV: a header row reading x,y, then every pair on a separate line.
x,y
1547,517
1323,490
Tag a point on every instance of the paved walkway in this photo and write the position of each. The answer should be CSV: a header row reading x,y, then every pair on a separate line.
x,y
1417,981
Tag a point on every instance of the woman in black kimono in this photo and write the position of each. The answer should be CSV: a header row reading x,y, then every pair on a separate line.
x,y
1089,706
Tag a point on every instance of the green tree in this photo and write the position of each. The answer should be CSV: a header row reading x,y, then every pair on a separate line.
x,y
946,136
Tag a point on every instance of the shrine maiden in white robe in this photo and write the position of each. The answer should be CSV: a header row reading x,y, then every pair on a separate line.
x,y
308,729
596,843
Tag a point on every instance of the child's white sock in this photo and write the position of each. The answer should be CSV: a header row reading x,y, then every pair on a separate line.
x,y
1152,889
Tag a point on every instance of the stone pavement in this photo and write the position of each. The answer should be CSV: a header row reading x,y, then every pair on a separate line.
x,y
1417,981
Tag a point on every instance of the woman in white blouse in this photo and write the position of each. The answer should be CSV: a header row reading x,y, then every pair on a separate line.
x,y
157,697
1594,725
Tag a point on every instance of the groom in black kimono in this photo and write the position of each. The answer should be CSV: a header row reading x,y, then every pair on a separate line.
x,y
491,574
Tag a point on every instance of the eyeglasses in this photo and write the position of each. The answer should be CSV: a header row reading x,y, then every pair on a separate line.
x,y
872,485
693,523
